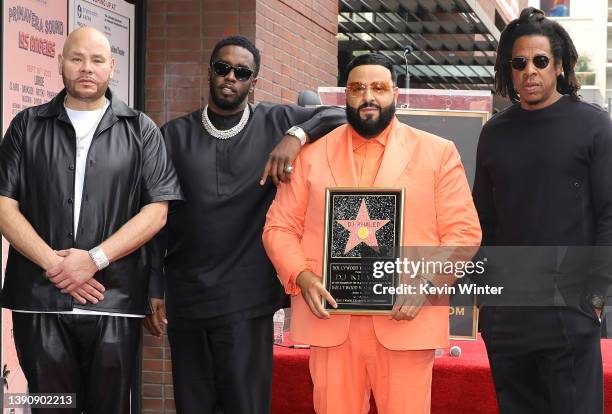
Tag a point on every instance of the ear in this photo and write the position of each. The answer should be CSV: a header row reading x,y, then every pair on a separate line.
x,y
395,94
558,68
253,83
209,73
60,59
113,63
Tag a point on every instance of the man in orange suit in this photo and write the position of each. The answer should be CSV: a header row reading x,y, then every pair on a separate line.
x,y
353,355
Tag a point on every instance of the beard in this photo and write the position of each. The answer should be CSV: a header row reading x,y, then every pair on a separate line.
x,y
85,96
369,128
227,104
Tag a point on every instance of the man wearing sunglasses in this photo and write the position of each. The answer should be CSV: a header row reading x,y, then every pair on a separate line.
x,y
543,179
221,289
354,355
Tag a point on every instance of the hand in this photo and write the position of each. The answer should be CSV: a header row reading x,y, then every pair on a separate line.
x,y
154,322
312,292
408,305
76,269
89,291
283,155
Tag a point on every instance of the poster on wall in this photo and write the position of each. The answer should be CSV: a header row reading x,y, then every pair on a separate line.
x,y
116,19
33,35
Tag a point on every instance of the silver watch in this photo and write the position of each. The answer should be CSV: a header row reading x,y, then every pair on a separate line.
x,y
428,283
297,132
99,257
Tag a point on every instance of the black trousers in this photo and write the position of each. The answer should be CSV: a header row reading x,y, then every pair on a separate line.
x,y
92,356
223,369
544,360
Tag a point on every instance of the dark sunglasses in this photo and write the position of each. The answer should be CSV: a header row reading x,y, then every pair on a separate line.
x,y
241,73
520,62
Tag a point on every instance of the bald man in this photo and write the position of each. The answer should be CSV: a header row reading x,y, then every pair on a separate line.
x,y
84,183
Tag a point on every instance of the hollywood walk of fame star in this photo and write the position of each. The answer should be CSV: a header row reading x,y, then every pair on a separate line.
x,y
362,229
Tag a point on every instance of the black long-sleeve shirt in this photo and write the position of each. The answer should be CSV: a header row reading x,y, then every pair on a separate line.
x,y
216,266
544,178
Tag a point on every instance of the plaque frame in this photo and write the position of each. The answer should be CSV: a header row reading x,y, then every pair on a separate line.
x,y
328,258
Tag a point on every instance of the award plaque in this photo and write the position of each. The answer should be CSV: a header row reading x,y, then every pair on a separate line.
x,y
362,226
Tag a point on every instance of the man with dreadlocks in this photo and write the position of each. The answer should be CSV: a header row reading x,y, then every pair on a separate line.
x,y
542,179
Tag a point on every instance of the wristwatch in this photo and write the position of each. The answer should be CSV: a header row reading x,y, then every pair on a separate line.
x,y
297,132
99,257
428,284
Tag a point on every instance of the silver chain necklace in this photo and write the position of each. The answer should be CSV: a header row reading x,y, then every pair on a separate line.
x,y
226,133
94,125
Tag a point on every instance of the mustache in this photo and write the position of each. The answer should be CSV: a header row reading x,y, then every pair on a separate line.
x,y
229,86
368,105
78,78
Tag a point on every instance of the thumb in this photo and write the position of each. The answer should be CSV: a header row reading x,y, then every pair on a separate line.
x,y
62,253
162,313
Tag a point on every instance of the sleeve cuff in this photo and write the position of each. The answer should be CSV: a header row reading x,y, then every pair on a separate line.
x,y
292,288
163,197
10,194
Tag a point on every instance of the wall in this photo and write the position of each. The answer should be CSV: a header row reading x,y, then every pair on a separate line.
x,y
297,40
299,47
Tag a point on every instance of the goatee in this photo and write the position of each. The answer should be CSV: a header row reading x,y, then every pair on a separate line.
x,y
87,97
227,104
369,128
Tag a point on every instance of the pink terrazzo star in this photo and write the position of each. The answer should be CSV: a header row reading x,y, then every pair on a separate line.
x,y
363,229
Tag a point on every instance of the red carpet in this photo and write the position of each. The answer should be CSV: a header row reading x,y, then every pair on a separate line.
x,y
461,385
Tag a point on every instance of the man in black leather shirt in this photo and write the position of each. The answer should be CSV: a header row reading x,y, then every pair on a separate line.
x,y
84,183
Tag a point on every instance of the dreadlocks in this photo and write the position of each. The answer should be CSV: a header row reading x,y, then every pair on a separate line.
x,y
533,22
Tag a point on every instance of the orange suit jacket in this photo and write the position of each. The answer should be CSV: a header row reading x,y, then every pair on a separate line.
x,y
438,211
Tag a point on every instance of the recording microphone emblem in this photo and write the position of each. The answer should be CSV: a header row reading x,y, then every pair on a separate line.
x,y
407,52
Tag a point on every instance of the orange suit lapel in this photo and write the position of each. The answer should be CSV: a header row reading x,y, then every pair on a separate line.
x,y
340,158
397,155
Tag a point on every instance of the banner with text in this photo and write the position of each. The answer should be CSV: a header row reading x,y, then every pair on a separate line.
x,y
116,19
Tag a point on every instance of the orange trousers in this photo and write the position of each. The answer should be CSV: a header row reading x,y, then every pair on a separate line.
x,y
344,375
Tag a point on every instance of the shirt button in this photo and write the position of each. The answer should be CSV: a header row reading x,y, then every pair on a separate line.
x,y
576,184
70,200
71,167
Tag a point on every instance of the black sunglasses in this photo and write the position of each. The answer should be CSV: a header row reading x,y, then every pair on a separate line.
x,y
241,73
520,62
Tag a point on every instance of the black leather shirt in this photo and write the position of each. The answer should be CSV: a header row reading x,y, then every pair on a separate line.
x,y
127,168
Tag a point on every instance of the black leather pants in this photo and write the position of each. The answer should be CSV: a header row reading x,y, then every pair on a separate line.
x,y
92,356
